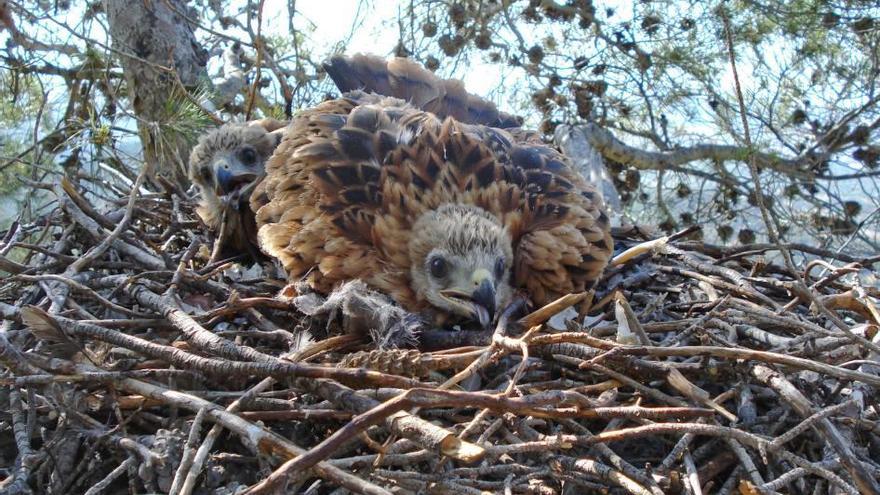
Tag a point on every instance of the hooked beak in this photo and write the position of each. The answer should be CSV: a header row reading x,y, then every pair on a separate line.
x,y
479,304
233,177
484,302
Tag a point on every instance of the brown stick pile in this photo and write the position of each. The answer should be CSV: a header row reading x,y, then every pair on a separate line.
x,y
132,364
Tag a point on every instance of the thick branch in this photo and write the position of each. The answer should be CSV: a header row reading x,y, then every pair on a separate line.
x,y
611,147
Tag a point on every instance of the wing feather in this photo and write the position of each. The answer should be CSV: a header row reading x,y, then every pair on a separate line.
x,y
405,79
353,175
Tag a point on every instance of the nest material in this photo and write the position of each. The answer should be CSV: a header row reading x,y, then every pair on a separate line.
x,y
130,363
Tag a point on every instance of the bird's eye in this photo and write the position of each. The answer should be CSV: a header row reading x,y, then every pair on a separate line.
x,y
439,267
248,156
499,268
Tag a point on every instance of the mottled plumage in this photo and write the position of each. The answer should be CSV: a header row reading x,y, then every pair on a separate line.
x,y
371,187
225,165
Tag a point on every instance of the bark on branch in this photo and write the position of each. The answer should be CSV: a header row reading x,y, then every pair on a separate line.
x,y
612,147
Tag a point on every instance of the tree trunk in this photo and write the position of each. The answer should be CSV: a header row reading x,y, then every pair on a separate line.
x,y
153,41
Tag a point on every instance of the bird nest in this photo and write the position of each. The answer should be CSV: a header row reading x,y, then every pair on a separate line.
x,y
132,362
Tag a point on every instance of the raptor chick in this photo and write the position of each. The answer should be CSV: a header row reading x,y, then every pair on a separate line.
x,y
226,165
447,211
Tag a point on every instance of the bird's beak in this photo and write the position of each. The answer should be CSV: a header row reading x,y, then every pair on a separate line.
x,y
232,176
477,303
483,297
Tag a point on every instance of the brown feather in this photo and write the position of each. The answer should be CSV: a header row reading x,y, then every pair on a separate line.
x,y
406,80
346,187
349,182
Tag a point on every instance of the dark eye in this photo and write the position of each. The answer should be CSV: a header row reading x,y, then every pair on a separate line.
x,y
438,267
248,156
499,268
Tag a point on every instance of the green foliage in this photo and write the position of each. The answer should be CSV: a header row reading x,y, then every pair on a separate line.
x,y
13,169
286,43
20,100
185,116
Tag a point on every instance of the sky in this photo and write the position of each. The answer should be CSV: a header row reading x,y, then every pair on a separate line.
x,y
378,34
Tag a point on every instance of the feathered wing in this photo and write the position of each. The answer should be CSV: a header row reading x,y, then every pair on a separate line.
x,y
561,235
405,79
565,241
353,175
292,227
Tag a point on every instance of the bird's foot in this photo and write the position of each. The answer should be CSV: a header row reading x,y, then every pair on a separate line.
x,y
365,311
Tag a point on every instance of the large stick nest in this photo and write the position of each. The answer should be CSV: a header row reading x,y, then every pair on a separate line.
x,y
133,364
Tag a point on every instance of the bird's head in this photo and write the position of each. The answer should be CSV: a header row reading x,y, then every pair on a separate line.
x,y
461,261
229,160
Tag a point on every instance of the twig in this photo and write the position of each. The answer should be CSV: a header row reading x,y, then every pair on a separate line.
x,y
186,460
105,483
265,440
721,352
863,479
530,405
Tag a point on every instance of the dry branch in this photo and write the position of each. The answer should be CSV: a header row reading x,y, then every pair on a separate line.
x,y
739,380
